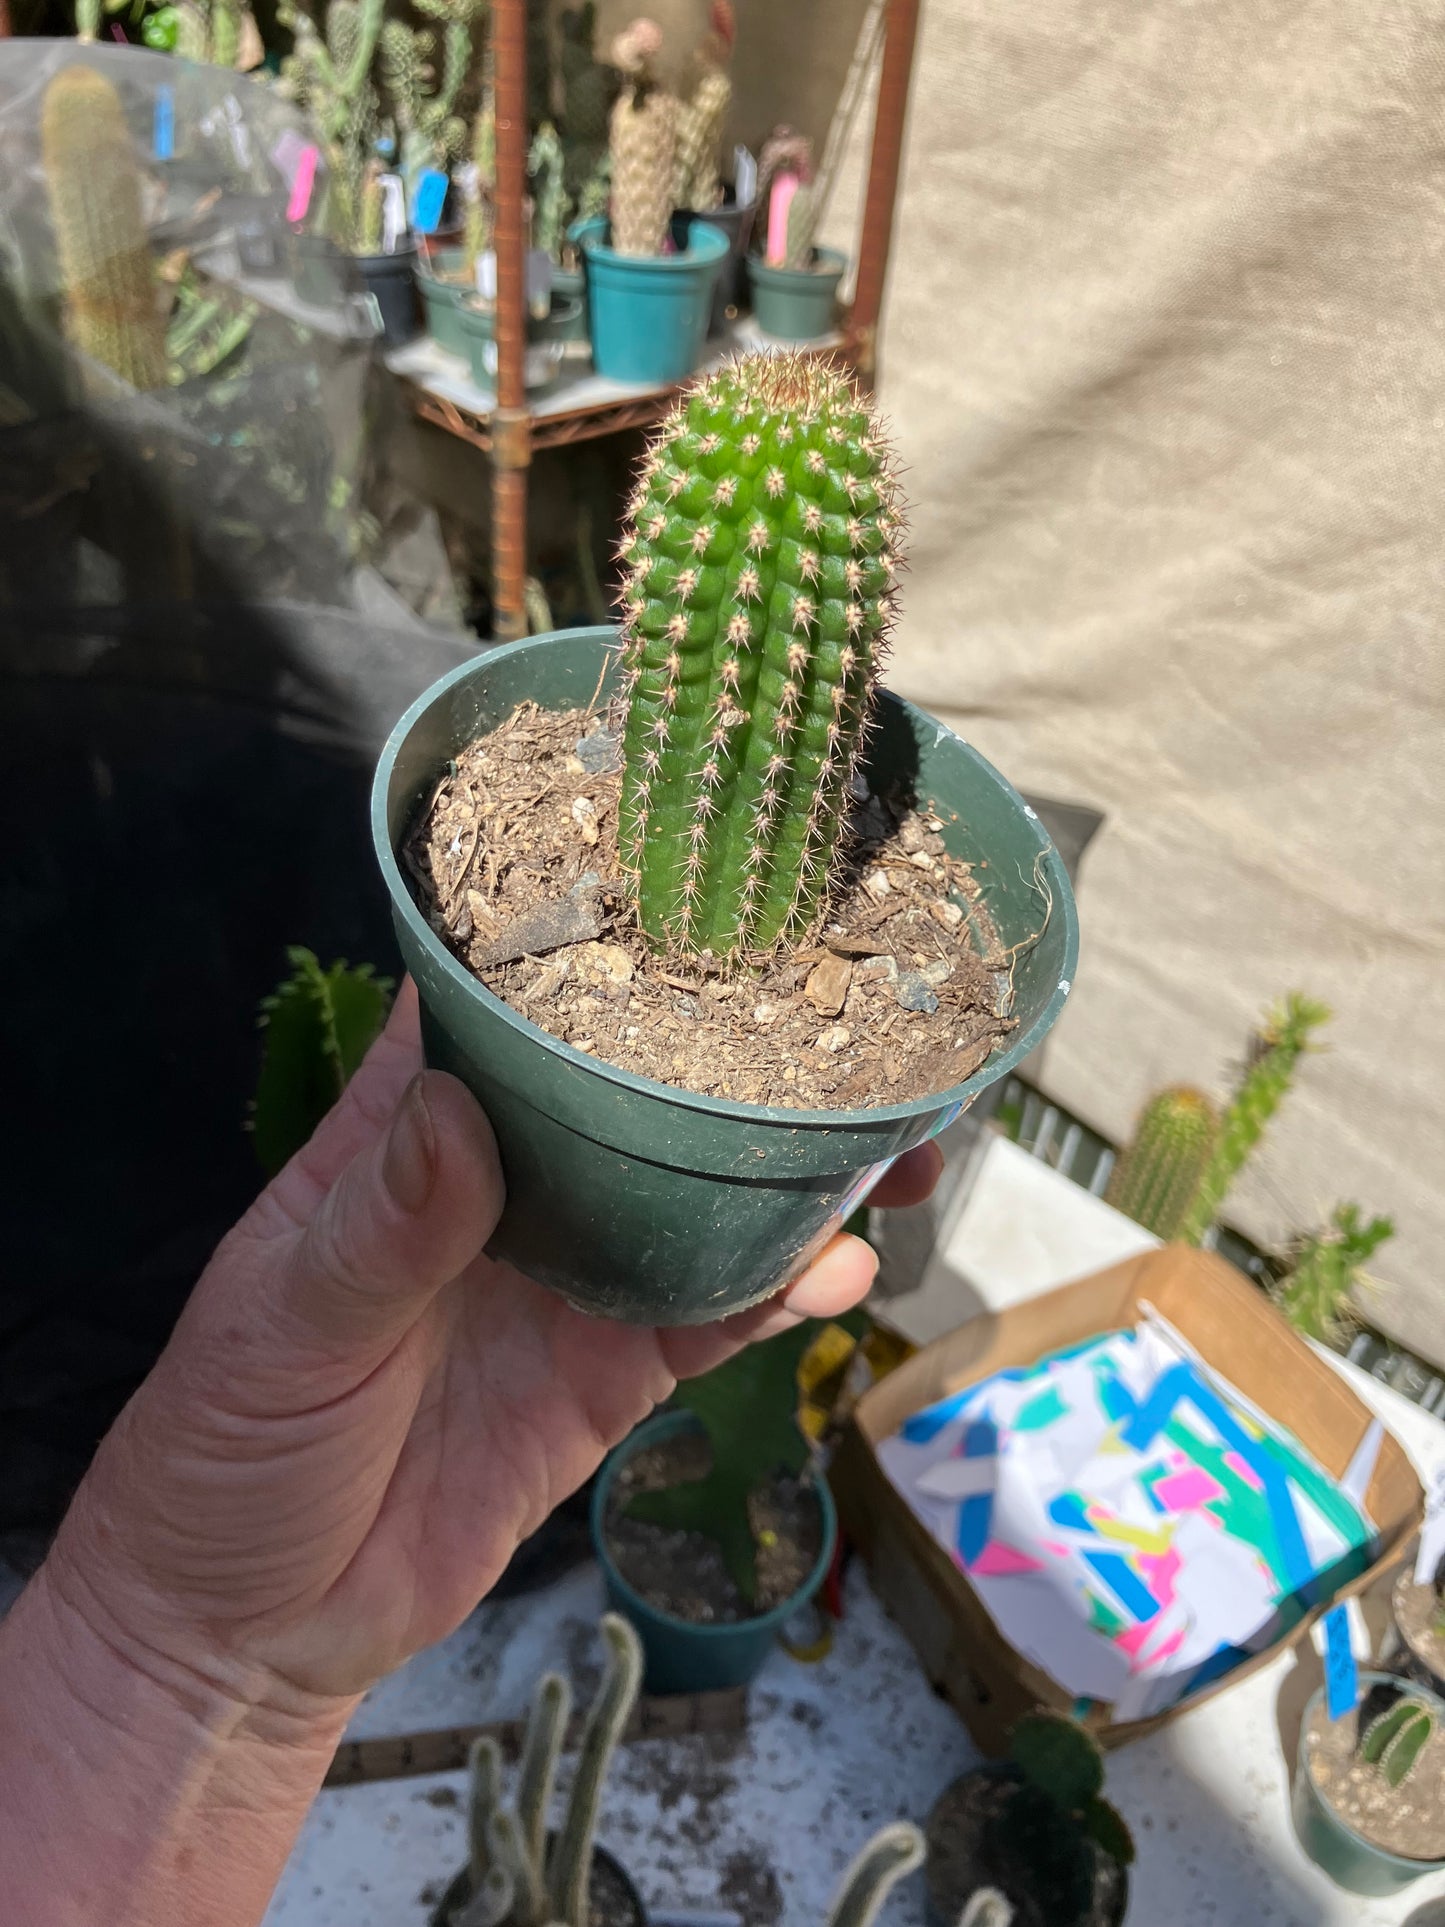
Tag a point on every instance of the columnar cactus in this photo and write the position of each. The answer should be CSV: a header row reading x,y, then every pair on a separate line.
x,y
587,91
701,117
107,272
1282,1043
802,226
1156,1178
549,196
220,33
512,1880
1396,1739
478,182
643,132
761,551
890,1855
1315,1293
332,79
429,130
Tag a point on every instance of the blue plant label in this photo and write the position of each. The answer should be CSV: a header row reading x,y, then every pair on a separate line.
x,y
1342,1683
426,206
163,137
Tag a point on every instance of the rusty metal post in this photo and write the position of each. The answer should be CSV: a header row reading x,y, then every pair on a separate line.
x,y
899,36
511,422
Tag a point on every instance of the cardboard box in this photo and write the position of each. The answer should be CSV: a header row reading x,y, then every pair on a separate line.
x,y
1234,1328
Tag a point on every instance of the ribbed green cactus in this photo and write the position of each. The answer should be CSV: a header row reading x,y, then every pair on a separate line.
x,y
892,1853
1324,1268
1156,1178
512,1879
1281,1044
1396,1739
761,550
702,115
108,276
549,196
802,226
643,140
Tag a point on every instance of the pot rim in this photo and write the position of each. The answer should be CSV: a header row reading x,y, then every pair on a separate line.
x,y
706,244
956,1097
1368,1676
651,1432
828,262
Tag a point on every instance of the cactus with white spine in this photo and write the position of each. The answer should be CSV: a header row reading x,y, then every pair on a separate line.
x,y
423,103
512,1880
761,553
986,1908
643,141
702,115
1155,1179
549,196
890,1855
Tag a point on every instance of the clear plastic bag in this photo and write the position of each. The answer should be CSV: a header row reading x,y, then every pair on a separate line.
x,y
182,360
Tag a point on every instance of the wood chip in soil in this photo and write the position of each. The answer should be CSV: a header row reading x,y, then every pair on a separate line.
x,y
514,862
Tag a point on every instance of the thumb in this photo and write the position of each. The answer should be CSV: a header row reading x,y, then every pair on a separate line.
x,y
406,1215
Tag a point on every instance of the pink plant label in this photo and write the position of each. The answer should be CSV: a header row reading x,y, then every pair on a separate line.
x,y
302,184
779,201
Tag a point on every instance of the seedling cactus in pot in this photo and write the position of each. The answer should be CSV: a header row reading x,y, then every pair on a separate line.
x,y
1369,1787
763,542
1035,1833
795,282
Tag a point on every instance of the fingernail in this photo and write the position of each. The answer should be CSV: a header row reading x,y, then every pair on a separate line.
x,y
408,1164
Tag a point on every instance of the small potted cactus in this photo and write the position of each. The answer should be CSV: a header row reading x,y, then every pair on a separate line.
x,y
794,282
709,1524
1369,1787
521,1872
1028,1840
649,307
893,1853
763,539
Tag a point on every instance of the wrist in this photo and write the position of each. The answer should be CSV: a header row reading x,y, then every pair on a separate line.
x,y
142,1785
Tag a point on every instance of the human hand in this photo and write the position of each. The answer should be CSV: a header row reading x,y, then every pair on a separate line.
x,y
359,1416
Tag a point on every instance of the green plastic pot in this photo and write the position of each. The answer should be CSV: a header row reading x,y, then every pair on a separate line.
x,y
1349,1859
571,285
649,313
389,279
797,304
683,1657
478,323
441,282
636,1200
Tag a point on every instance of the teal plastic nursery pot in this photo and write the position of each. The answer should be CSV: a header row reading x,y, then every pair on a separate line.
x,y
683,1656
797,304
649,313
1349,1859
651,1204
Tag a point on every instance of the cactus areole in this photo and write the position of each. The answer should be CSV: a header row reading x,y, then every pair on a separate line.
x,y
761,551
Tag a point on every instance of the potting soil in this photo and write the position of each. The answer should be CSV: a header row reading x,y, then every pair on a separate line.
x,y
514,859
1408,1819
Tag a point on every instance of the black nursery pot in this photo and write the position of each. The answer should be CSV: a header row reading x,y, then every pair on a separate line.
x,y
661,1206
609,1882
390,278
737,224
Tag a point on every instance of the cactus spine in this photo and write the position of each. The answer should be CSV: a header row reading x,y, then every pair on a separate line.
x,y
107,273
1315,1293
701,117
760,550
1283,1041
890,1855
513,1881
1155,1180
643,143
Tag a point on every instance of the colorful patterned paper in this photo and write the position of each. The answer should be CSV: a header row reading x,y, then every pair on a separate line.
x,y
1133,1525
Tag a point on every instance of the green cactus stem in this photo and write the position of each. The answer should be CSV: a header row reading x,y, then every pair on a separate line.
x,y
1324,1269
1156,1178
1283,1041
571,1861
891,1854
108,278
702,116
332,79
802,226
549,196
1394,1742
986,1908
761,557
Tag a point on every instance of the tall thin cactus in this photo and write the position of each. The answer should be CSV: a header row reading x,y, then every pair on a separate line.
x,y
332,77
108,276
761,553
1282,1042
1156,1178
702,115
643,140
1325,1267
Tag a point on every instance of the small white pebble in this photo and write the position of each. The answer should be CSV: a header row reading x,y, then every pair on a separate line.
x,y
764,1013
584,815
876,884
837,1037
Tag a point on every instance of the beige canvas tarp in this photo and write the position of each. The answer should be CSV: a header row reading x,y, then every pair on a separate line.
x,y
1163,354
